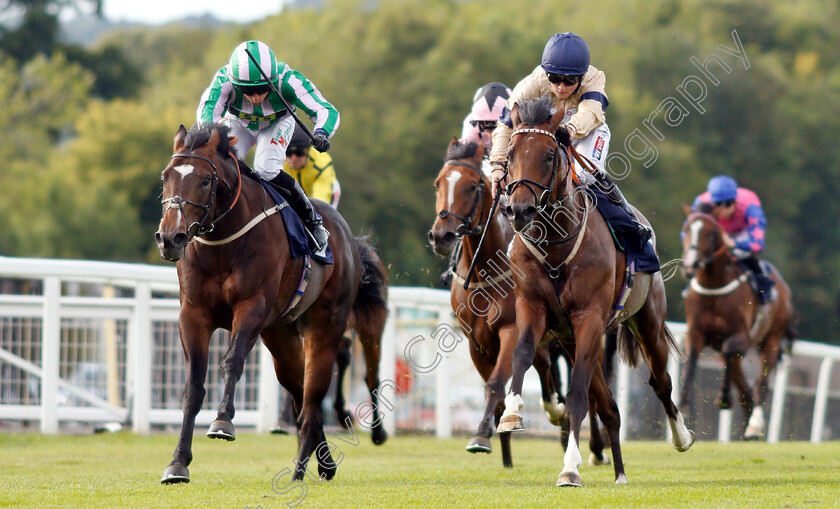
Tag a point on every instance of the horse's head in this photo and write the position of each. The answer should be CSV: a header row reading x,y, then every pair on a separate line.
x,y
462,194
538,166
702,240
190,182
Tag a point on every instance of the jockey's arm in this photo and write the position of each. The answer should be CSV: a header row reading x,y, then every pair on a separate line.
x,y
301,92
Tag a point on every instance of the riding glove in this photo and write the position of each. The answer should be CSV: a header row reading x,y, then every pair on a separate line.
x,y
320,141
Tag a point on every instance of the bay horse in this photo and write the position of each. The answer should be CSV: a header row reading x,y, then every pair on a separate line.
x,y
485,309
720,312
573,278
236,272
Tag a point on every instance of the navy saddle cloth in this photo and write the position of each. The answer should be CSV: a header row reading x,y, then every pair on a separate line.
x,y
295,231
625,233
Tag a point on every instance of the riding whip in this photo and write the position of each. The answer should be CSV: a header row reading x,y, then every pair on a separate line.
x,y
483,234
285,103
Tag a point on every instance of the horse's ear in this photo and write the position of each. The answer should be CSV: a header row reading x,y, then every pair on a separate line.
x,y
454,141
514,115
213,142
554,121
686,209
180,134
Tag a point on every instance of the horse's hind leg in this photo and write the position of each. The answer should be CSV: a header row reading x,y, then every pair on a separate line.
x,y
736,374
195,338
370,336
554,409
606,407
657,342
342,361
504,439
769,351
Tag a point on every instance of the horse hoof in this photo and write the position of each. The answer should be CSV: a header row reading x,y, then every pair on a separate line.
x,y
723,404
685,447
621,479
378,435
345,418
510,423
479,444
279,429
594,460
175,474
223,430
752,434
327,473
570,479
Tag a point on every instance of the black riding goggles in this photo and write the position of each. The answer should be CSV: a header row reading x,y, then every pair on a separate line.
x,y
253,89
484,125
566,79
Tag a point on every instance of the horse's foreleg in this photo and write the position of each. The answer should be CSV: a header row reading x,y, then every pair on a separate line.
x,y
531,323
607,409
495,373
243,338
554,409
195,338
736,374
588,332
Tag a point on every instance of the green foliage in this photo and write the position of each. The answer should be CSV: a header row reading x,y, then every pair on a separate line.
x,y
402,74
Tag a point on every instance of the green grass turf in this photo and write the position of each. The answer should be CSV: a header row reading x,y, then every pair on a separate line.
x,y
123,470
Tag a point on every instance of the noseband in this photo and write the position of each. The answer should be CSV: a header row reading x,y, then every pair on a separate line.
x,y
547,190
178,203
462,228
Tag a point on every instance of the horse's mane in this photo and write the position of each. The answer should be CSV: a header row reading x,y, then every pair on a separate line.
x,y
460,149
199,135
705,207
535,111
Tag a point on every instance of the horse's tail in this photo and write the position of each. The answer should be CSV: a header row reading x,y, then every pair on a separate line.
x,y
370,308
630,350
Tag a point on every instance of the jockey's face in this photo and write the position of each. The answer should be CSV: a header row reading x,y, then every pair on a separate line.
x,y
562,90
255,99
724,210
296,157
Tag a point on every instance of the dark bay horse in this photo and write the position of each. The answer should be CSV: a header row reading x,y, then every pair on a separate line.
x,y
486,309
239,275
720,312
573,276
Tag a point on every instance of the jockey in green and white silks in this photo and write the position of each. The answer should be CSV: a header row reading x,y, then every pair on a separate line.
x,y
240,97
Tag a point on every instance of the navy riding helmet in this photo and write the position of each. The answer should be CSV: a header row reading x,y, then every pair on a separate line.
x,y
566,53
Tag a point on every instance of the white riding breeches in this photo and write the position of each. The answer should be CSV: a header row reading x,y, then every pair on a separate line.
x,y
271,145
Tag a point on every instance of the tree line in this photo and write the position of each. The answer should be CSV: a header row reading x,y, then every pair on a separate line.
x,y
696,89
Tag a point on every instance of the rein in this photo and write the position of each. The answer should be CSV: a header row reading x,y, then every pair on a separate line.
x,y
704,262
462,229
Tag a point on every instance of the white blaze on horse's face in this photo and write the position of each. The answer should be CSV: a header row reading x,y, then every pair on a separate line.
x,y
693,238
184,169
453,178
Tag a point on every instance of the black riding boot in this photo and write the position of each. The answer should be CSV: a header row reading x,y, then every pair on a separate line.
x,y
763,283
614,194
299,202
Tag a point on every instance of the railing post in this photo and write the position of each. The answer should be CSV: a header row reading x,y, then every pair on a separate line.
x,y
443,406
268,397
387,367
821,399
774,429
50,354
142,349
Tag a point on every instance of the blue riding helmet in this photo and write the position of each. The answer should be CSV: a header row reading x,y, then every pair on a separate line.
x,y
566,53
722,188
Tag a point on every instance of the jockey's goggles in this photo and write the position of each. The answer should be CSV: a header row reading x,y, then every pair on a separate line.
x,y
253,89
484,125
296,151
566,79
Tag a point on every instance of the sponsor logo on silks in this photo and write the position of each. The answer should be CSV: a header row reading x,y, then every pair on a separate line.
x,y
599,147
280,140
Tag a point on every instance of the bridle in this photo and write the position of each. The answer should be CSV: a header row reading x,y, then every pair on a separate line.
x,y
702,263
177,202
463,228
541,201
